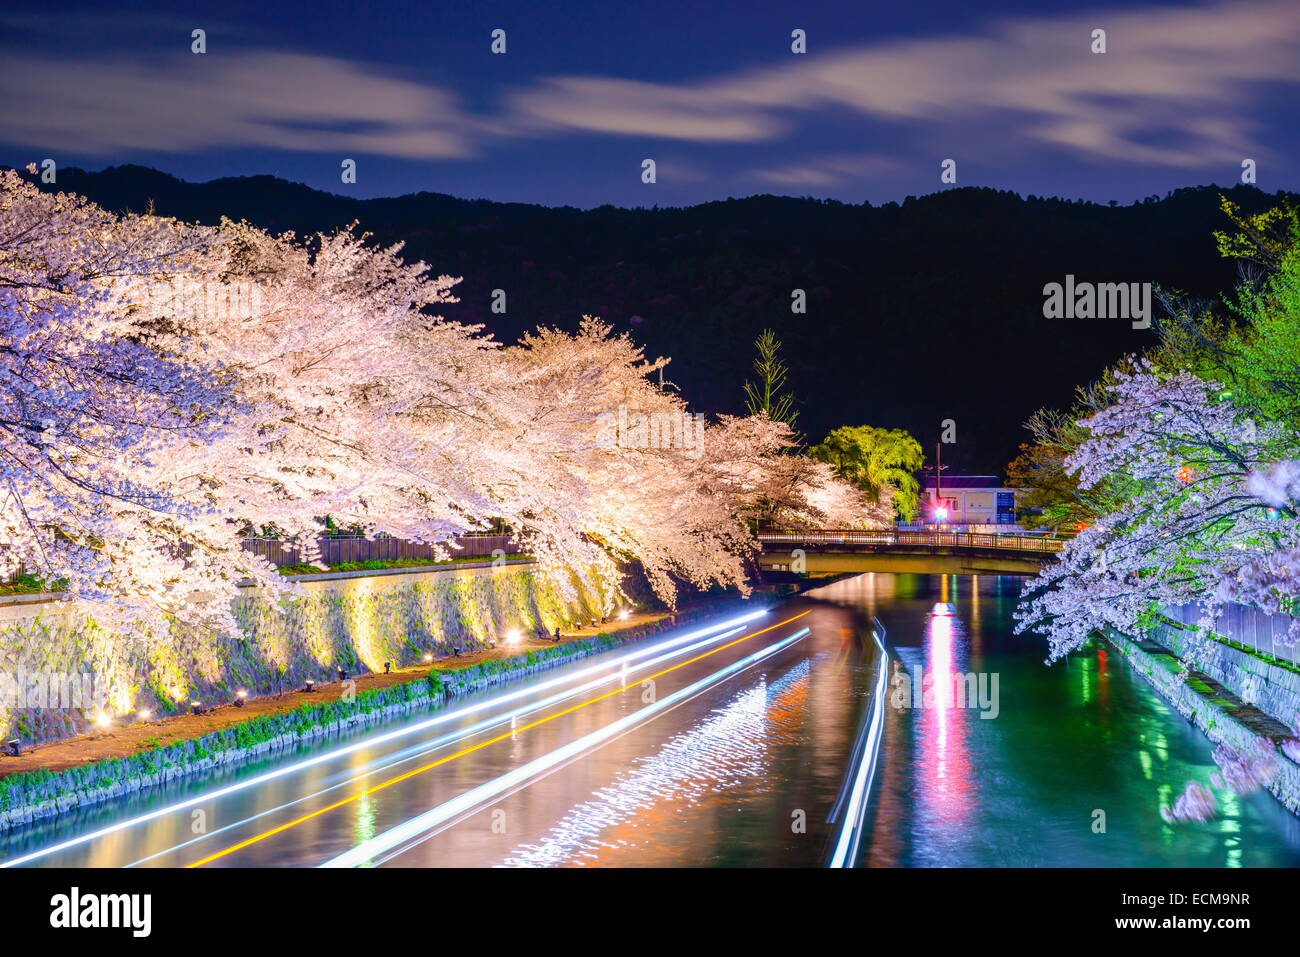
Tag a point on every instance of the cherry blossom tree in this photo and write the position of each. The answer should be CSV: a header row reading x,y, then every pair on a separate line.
x,y
621,468
596,465
1205,516
147,423
169,387
95,396
330,366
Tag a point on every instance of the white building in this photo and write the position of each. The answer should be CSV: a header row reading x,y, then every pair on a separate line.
x,y
967,500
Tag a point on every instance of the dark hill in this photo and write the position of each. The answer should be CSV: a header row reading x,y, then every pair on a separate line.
x,y
917,312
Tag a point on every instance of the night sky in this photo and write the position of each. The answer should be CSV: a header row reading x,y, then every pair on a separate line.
x,y
712,93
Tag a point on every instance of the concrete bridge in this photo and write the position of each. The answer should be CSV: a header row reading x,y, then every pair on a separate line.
x,y
899,550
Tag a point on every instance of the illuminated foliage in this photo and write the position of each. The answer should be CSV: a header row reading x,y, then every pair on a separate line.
x,y
165,388
878,461
1206,516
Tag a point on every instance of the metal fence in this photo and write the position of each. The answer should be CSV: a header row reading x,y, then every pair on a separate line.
x,y
905,539
1246,626
336,551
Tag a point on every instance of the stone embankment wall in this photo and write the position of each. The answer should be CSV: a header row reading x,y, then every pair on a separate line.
x,y
1272,687
1218,661
55,666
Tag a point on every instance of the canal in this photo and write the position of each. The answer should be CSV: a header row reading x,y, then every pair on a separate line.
x,y
731,750
1069,770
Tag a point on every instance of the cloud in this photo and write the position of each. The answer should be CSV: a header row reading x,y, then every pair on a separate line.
x,y
598,105
826,170
1176,89
191,102
1181,72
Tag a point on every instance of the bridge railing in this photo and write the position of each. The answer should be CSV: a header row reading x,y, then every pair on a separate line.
x,y
903,538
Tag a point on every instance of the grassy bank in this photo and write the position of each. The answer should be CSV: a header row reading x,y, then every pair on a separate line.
x,y
30,585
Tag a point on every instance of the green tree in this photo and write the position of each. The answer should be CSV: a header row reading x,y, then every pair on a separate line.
x,y
1265,238
1264,347
875,459
766,395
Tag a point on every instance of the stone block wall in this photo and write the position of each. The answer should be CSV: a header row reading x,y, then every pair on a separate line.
x,y
55,665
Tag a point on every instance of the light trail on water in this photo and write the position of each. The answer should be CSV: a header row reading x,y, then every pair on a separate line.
x,y
369,850
435,721
427,747
470,750
846,847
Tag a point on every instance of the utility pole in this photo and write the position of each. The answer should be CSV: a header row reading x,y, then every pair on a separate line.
x,y
938,469
938,472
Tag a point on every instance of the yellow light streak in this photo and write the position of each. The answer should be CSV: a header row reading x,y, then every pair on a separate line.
x,y
470,750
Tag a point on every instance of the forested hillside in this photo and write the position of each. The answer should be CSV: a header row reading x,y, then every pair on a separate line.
x,y
916,312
